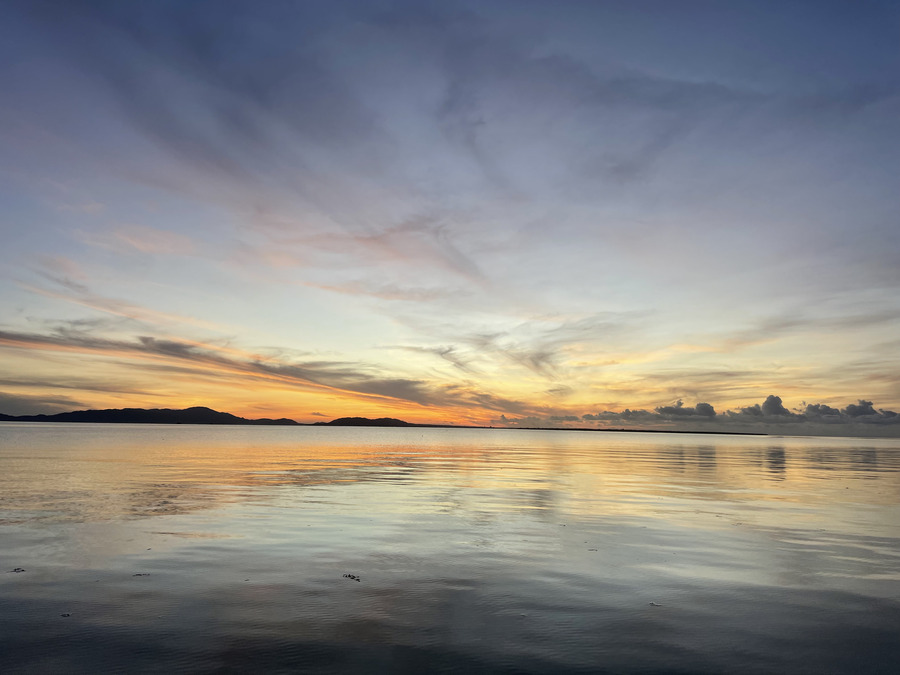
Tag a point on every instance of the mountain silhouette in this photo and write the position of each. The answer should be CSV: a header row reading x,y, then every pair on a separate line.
x,y
195,415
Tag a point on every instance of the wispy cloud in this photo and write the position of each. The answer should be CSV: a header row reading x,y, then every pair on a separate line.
x,y
802,321
448,354
79,293
36,404
385,292
541,218
76,383
85,207
191,357
130,238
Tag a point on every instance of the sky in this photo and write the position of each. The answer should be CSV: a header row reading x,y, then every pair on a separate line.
x,y
595,214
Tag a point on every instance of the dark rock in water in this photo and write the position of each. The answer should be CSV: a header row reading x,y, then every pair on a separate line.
x,y
65,615
352,576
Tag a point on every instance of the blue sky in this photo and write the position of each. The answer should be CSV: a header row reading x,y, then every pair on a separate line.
x,y
450,211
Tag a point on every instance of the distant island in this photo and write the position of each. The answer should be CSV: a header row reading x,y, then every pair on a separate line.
x,y
203,415
195,415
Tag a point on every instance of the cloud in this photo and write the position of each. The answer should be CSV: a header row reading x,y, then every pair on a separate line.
x,y
538,358
770,415
701,412
448,354
860,409
525,422
23,404
433,156
386,292
418,245
540,420
274,101
863,411
321,375
421,241
219,87
203,359
680,411
90,207
773,406
79,293
132,237
799,321
573,107
564,418
542,345
75,383
822,413
627,415
497,403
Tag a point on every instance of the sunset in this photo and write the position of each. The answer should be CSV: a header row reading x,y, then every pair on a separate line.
x,y
425,336
466,213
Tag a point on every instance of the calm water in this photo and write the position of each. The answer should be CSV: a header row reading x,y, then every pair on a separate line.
x,y
476,550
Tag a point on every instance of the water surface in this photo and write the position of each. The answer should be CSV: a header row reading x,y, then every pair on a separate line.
x,y
225,549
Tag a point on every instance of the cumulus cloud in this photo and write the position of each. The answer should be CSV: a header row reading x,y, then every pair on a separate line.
x,y
770,415
527,422
773,406
821,412
864,411
680,411
627,415
860,409
773,411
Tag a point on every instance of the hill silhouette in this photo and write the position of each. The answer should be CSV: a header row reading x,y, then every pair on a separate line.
x,y
195,415
204,415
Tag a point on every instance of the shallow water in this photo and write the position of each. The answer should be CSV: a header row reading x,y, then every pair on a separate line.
x,y
476,551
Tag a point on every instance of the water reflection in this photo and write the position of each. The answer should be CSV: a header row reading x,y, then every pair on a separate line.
x,y
76,473
857,459
706,458
477,550
776,462
865,459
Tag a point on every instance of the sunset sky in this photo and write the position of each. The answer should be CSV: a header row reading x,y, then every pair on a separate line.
x,y
510,213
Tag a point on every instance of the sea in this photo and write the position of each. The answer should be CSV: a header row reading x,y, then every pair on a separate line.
x,y
231,549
